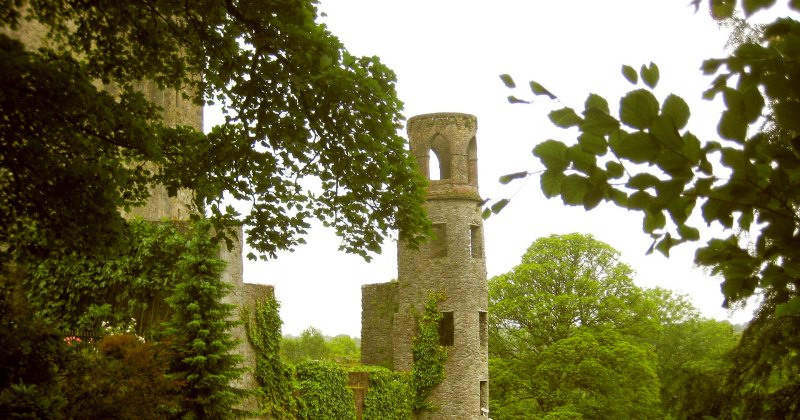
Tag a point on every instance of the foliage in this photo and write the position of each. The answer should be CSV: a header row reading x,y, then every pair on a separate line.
x,y
427,370
570,332
77,129
344,349
313,345
692,366
30,350
122,378
276,379
389,396
600,374
199,332
83,292
309,346
323,391
764,380
643,158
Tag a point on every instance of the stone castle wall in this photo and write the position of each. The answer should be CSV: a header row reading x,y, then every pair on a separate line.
x,y
378,307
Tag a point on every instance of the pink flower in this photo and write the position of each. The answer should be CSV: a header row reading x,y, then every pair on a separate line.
x,y
71,339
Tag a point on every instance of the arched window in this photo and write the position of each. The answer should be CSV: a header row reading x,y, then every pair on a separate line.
x,y
472,159
440,147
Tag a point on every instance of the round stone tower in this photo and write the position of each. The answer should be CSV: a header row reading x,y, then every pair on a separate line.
x,y
452,263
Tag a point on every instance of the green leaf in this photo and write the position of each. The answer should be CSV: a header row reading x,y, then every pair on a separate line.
x,y
508,81
637,147
553,154
639,200
734,100
630,74
505,179
614,169
711,66
514,100
638,109
752,6
643,181
676,109
786,112
538,89
498,206
598,122
487,212
551,183
564,117
688,233
732,126
665,245
790,308
593,144
722,9
573,189
581,161
619,198
795,5
596,101
753,104
650,75
592,198
653,221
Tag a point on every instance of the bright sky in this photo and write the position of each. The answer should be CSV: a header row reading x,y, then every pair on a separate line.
x,y
447,55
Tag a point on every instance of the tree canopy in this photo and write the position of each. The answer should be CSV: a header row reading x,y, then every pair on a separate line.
x,y
304,122
643,157
570,333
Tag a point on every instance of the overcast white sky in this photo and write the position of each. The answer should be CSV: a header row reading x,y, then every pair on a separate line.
x,y
447,55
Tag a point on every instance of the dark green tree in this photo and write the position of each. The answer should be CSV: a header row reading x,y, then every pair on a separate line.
x,y
77,130
642,157
199,333
693,361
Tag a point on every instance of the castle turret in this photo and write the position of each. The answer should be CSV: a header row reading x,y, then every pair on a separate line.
x,y
452,263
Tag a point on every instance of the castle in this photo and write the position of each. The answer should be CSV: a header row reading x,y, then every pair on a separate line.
x,y
452,263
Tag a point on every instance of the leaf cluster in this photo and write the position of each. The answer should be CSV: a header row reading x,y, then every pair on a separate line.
x,y
643,158
323,391
297,107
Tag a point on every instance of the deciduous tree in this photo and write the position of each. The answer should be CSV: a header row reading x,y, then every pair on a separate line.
x,y
642,157
570,332
297,107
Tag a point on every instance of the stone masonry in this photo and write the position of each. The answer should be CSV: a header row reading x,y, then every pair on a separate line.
x,y
452,263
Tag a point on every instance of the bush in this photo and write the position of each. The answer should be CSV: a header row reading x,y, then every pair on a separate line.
x,y
122,378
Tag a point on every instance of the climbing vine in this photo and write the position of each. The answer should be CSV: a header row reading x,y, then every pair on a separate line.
x,y
275,378
323,391
429,356
389,396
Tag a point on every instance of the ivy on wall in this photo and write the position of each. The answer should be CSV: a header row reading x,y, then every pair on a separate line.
x,y
276,378
389,395
323,391
427,370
